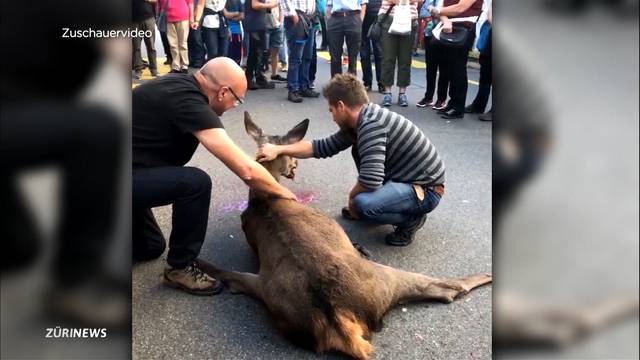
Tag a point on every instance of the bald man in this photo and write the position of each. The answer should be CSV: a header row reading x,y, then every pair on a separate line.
x,y
171,116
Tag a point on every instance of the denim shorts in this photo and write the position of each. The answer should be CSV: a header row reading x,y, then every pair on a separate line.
x,y
274,38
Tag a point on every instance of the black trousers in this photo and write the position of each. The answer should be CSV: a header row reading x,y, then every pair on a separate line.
x,y
85,143
257,44
433,59
323,27
166,46
486,76
340,29
149,42
455,68
188,190
369,46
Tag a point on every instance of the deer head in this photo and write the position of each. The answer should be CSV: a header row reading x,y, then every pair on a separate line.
x,y
282,165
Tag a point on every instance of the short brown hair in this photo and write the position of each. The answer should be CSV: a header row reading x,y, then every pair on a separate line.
x,y
346,88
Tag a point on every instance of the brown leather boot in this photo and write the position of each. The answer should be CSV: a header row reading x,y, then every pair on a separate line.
x,y
192,280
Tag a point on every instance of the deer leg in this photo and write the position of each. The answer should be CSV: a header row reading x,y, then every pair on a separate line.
x,y
237,282
415,287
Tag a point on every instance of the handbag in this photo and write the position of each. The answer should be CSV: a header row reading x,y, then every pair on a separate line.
x,y
401,24
459,35
483,37
375,30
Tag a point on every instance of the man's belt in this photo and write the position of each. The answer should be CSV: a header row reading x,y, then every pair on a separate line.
x,y
345,13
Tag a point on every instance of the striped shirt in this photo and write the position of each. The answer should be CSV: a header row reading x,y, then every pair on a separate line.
x,y
389,147
289,7
387,3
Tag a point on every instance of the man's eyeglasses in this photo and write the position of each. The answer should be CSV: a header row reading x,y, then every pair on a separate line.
x,y
239,100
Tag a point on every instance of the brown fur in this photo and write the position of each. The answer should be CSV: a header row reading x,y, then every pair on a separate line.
x,y
322,294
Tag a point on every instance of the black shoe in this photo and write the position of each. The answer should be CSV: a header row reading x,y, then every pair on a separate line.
x,y
264,84
184,71
278,77
488,116
404,235
470,109
174,71
381,89
251,85
168,62
154,72
443,110
308,93
425,102
137,74
453,114
362,250
294,96
346,213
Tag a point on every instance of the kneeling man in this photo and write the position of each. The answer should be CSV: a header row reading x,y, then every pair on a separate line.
x,y
400,174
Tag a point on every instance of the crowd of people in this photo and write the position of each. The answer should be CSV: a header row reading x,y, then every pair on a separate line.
x,y
279,36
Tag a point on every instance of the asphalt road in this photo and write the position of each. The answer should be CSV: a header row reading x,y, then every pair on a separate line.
x,y
456,241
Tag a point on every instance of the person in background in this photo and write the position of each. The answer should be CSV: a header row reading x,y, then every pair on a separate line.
x,y
234,12
255,26
397,48
454,61
195,43
433,58
282,54
344,24
370,46
215,29
144,19
313,66
275,39
180,14
482,97
300,33
321,9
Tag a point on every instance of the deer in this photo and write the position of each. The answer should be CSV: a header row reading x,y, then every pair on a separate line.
x,y
321,292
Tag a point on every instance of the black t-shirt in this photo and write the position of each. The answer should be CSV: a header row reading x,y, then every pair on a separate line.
x,y
142,10
254,20
166,112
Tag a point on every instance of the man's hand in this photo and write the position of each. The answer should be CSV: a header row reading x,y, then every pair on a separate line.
x,y
295,19
352,209
287,194
267,152
447,26
194,25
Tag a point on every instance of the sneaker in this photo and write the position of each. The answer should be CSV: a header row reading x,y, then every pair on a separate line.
x,y
278,77
192,280
425,102
308,93
404,235
470,109
402,100
386,101
294,96
264,84
440,105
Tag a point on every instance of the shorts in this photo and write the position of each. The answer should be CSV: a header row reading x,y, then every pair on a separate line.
x,y
274,38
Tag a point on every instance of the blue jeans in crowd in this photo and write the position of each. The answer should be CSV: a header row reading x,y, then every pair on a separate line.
x,y
300,54
196,48
217,41
394,203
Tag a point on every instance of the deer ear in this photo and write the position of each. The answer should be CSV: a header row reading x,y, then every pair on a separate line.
x,y
252,129
297,133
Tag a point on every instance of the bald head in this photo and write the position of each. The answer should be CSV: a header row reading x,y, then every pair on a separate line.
x,y
223,71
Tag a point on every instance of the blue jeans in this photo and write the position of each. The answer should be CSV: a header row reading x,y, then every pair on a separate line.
x,y
300,55
394,203
217,41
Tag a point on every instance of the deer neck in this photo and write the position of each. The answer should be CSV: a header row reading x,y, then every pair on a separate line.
x,y
275,173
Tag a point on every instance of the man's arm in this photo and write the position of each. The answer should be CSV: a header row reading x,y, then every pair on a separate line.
x,y
455,9
300,150
253,174
257,5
